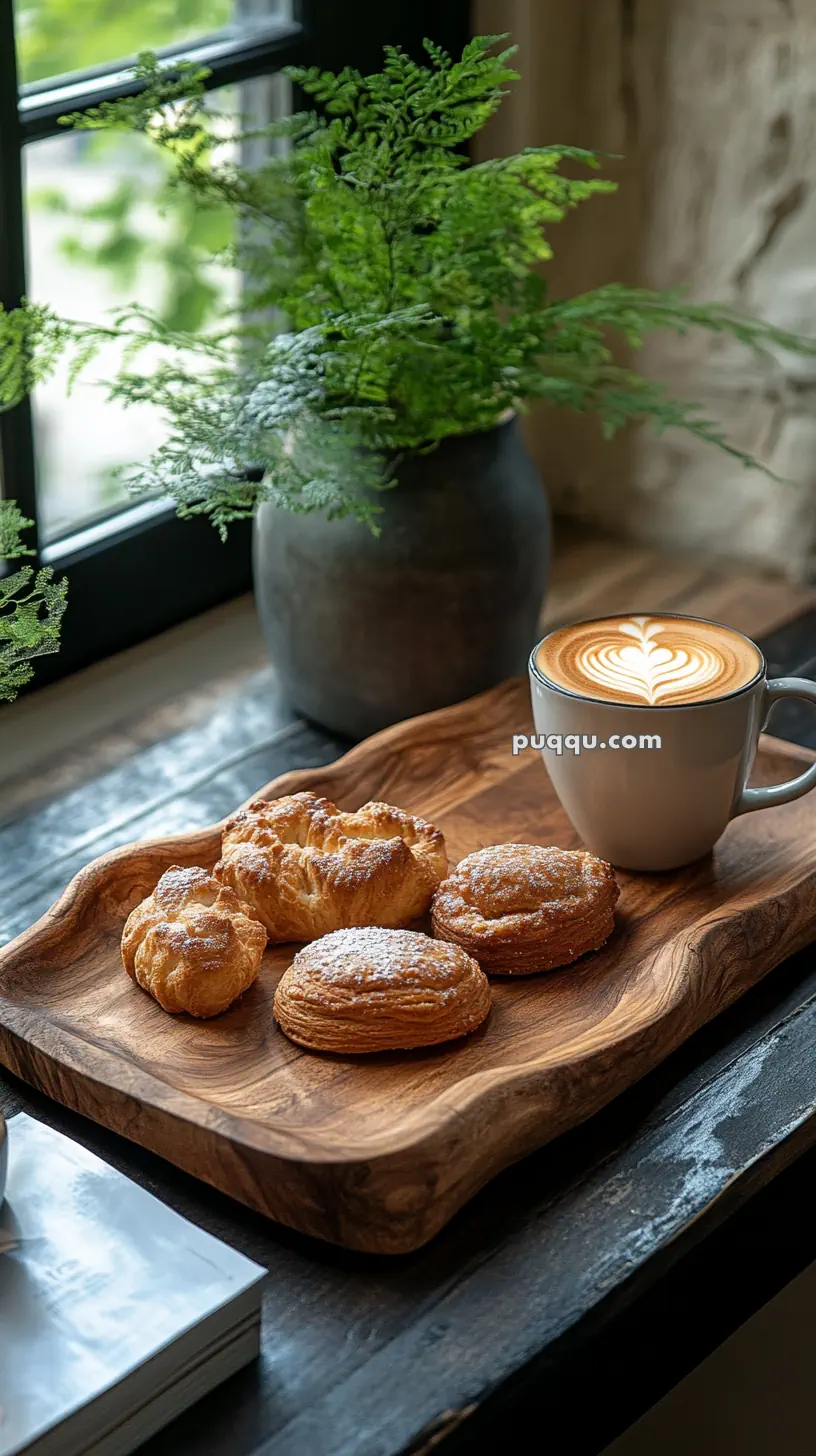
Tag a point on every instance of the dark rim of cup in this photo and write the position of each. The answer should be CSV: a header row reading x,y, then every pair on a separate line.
x,y
535,670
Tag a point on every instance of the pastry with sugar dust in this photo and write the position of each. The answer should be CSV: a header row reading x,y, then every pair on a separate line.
x,y
192,944
308,868
375,990
520,908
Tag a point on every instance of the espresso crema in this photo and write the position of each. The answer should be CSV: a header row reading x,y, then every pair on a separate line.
x,y
653,660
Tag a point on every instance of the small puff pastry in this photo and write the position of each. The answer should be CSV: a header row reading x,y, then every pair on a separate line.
x,y
192,944
306,868
374,990
519,908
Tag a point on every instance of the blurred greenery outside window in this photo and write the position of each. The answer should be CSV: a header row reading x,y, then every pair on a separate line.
x,y
55,36
105,229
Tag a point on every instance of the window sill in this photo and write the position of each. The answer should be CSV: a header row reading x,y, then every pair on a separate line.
x,y
53,738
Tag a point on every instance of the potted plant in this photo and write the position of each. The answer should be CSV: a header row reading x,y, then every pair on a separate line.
x,y
363,402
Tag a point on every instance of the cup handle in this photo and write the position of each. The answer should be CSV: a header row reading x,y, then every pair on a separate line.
x,y
750,799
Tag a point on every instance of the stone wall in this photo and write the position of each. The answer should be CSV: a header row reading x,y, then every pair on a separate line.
x,y
712,104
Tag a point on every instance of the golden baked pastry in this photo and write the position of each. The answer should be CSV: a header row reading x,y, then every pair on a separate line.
x,y
306,868
375,990
519,908
192,944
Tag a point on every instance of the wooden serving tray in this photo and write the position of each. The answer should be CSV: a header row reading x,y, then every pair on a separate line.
x,y
378,1152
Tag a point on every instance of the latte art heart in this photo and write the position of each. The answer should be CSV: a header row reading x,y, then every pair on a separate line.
x,y
649,660
648,671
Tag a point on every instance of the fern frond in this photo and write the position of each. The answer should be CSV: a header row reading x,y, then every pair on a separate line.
x,y
31,607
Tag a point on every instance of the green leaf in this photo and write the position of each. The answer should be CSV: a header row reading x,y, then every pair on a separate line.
x,y
31,607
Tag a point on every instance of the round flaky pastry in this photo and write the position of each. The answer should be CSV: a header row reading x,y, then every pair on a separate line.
x,y
307,868
519,908
375,990
192,944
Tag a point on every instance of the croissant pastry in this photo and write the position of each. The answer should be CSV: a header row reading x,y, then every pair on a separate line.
x,y
307,868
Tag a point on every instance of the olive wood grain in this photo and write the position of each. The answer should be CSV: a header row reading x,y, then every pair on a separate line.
x,y
378,1153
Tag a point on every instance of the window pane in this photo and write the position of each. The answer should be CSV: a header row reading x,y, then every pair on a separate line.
x,y
55,36
105,230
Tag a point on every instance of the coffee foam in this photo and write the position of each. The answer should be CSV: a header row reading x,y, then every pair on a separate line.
x,y
649,660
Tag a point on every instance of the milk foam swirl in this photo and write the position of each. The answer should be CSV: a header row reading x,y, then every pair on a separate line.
x,y
652,660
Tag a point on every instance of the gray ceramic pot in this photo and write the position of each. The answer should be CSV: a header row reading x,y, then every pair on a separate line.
x,y
366,630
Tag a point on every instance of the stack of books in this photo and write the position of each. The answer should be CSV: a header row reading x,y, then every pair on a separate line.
x,y
116,1314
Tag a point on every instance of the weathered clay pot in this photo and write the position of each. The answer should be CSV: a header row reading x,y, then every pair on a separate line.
x,y
365,630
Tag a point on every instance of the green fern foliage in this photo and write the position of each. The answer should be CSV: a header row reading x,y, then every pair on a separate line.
x,y
31,607
394,294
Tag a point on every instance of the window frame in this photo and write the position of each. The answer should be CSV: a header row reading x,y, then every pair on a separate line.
x,y
142,570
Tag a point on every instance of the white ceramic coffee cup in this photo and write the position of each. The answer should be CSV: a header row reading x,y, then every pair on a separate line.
x,y
647,808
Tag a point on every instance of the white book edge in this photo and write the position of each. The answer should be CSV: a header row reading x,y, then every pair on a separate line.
x,y
126,1414
62,1197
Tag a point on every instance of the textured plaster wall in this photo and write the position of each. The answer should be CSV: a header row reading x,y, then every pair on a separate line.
x,y
712,104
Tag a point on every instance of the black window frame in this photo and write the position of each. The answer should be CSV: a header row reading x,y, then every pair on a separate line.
x,y
144,570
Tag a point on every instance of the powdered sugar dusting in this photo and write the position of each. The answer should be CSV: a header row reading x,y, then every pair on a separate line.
x,y
372,957
518,879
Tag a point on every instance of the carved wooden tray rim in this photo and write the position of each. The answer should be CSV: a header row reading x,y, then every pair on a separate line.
x,y
102,1071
